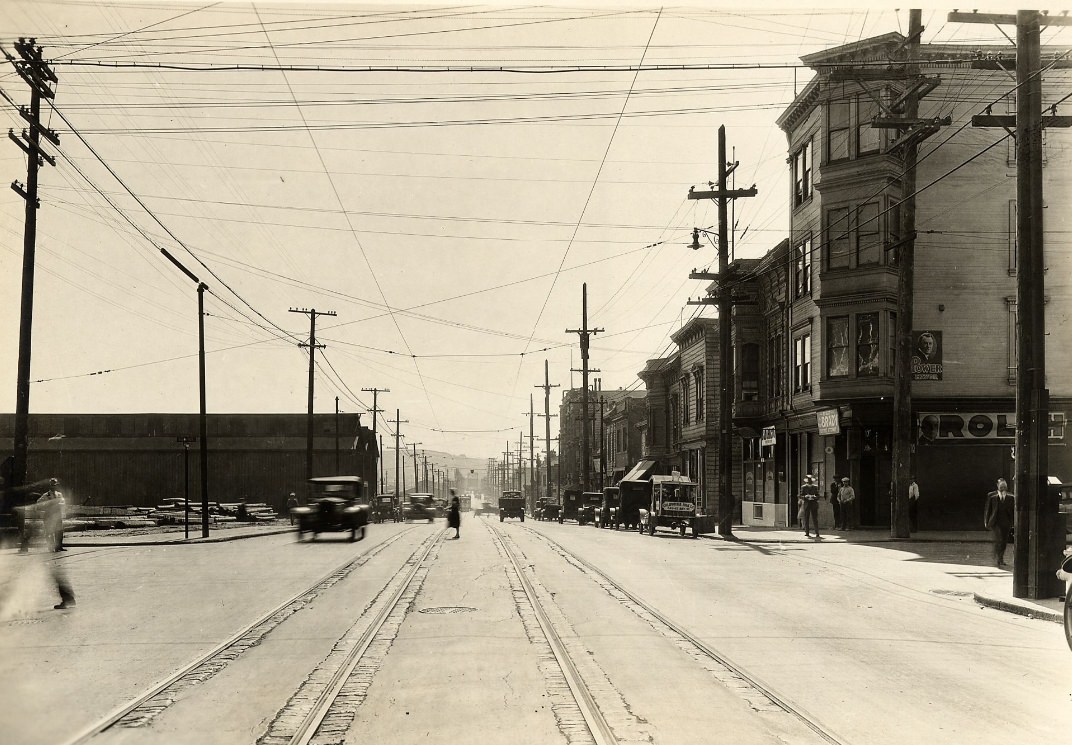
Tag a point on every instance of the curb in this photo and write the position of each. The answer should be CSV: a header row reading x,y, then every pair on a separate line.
x,y
1020,610
178,541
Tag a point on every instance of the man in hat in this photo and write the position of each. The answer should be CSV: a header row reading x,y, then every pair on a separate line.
x,y
999,516
847,497
809,492
292,502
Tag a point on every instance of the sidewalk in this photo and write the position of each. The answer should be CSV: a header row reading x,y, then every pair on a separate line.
x,y
997,590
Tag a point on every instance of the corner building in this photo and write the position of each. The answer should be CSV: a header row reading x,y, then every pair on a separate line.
x,y
814,355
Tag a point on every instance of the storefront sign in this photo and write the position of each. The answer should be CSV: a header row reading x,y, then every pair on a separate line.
x,y
770,437
965,427
828,421
927,355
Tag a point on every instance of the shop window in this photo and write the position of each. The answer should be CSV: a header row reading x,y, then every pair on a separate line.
x,y
837,347
867,336
685,399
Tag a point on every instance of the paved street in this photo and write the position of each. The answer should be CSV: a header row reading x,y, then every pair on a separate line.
x,y
835,630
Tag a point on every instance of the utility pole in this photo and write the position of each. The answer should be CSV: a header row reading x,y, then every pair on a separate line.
x,y
336,435
36,73
398,423
584,332
416,472
911,130
425,457
376,411
1037,516
547,419
602,444
724,301
313,346
379,467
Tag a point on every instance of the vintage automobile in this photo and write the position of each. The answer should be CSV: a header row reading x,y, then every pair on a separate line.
x,y
385,510
337,504
550,511
590,501
673,503
607,512
419,507
511,504
632,496
571,503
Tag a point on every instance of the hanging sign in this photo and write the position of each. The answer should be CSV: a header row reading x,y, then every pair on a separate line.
x,y
770,436
828,421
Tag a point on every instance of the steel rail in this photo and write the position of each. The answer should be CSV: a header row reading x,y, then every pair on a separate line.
x,y
593,717
308,727
702,647
110,719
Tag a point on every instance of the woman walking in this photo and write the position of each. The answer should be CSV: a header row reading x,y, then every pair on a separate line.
x,y
454,518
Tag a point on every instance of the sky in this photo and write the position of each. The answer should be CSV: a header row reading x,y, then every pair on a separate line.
x,y
439,181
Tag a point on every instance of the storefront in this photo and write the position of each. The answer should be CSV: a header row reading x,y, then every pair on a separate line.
x,y
961,451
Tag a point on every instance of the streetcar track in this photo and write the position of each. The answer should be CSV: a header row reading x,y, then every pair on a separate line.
x,y
142,709
323,708
760,696
574,680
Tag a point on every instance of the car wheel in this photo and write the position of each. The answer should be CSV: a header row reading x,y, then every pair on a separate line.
x,y
501,518
683,528
522,518
651,527
353,534
1068,618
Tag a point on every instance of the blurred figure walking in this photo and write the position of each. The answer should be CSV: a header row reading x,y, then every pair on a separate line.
x,y
53,509
454,518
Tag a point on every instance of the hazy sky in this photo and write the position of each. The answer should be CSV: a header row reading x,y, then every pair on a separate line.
x,y
448,216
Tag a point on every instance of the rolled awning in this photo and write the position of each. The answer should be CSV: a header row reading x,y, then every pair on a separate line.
x,y
641,471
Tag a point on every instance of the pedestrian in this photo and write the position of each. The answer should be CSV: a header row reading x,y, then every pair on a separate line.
x,y
809,493
835,487
999,516
292,502
847,497
913,505
454,518
53,507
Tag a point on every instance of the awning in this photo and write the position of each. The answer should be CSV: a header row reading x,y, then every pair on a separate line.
x,y
641,471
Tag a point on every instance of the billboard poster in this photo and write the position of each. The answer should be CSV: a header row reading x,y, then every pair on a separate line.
x,y
927,355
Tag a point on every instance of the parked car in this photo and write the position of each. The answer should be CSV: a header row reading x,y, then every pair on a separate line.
x,y
337,504
607,512
419,507
550,511
385,510
673,503
590,501
571,502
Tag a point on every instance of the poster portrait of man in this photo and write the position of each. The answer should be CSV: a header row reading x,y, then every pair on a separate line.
x,y
927,355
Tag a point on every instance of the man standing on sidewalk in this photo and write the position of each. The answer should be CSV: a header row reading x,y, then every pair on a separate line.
x,y
998,518
809,492
913,505
847,497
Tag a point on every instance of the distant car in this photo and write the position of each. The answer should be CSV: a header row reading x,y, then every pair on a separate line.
x,y
550,511
385,510
511,504
419,507
338,504
590,500
607,512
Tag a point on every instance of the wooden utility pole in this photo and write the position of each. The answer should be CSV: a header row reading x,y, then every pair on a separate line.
x,y
416,471
911,130
313,346
547,420
584,332
36,73
1037,517
337,435
398,434
376,411
724,300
